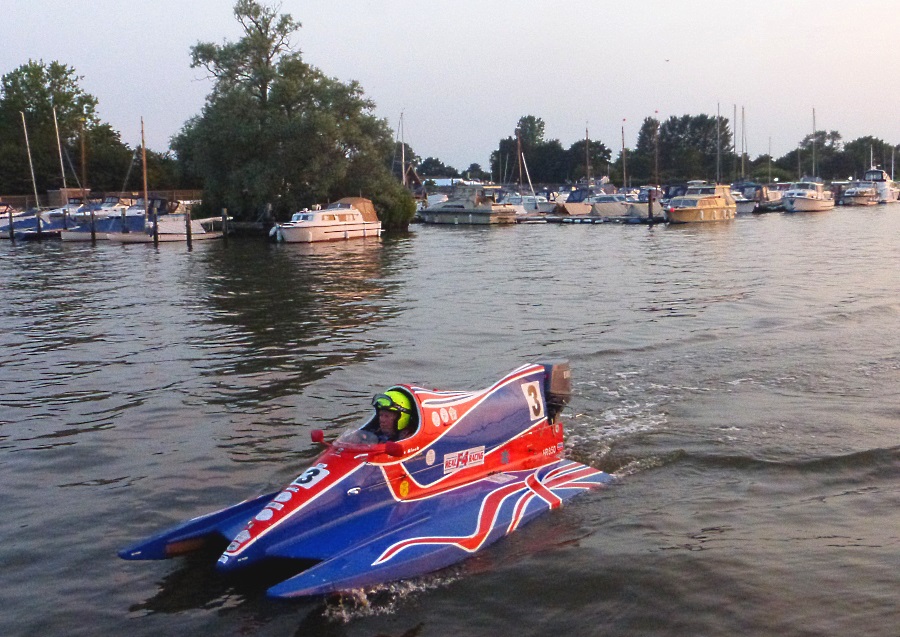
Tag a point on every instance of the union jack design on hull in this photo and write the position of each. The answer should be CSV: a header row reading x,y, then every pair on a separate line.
x,y
476,466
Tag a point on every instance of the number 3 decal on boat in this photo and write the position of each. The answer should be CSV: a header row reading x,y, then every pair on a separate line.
x,y
311,476
533,398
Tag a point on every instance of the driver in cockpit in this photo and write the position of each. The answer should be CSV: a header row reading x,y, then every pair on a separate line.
x,y
394,410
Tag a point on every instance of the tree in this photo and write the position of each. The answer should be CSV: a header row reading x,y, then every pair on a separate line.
x,y
598,156
33,89
434,167
474,171
275,130
642,162
864,153
531,131
690,147
403,152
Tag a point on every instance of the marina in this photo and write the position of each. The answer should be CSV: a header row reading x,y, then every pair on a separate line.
x,y
412,346
158,385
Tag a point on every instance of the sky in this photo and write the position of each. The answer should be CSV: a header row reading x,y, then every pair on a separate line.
x,y
464,72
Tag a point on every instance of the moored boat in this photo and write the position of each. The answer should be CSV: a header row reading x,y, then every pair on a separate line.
x,y
348,218
471,204
169,228
807,196
860,193
887,189
702,203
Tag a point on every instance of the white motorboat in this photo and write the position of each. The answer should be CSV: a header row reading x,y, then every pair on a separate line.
x,y
807,196
529,204
170,227
860,193
348,218
753,197
470,204
888,192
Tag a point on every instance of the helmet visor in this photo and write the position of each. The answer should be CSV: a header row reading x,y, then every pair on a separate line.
x,y
383,401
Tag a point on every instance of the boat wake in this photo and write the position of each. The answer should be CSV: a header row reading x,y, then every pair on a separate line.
x,y
384,599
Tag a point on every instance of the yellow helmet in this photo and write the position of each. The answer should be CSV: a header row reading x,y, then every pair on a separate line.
x,y
395,400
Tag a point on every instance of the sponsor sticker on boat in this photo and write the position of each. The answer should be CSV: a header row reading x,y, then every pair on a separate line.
x,y
462,459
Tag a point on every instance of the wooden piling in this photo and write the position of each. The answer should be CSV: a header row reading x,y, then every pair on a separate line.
x,y
187,227
156,225
12,233
224,224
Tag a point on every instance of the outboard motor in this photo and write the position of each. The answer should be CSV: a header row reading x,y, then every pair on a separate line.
x,y
557,387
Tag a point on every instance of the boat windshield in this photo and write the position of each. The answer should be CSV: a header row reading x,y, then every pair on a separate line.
x,y
300,216
357,437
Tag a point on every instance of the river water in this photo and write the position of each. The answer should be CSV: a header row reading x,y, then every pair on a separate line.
x,y
742,380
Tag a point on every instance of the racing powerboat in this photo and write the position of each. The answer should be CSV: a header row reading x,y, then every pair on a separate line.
x,y
475,467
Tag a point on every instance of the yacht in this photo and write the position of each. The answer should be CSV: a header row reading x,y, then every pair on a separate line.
x,y
807,196
348,218
702,203
860,193
476,204
888,192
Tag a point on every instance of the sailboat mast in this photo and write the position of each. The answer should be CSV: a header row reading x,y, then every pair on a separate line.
x,y
815,173
83,165
587,157
519,156
718,143
62,168
624,163
402,151
37,202
144,165
743,144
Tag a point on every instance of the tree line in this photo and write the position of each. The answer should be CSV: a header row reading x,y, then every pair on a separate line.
x,y
675,150
277,134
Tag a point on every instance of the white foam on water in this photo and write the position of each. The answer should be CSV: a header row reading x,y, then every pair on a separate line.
x,y
384,599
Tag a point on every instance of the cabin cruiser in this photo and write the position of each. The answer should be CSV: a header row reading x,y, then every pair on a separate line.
x,y
471,204
348,218
753,197
529,204
701,202
860,193
807,196
888,192
609,205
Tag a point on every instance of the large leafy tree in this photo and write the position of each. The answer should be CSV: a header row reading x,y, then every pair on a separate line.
x,y
546,161
34,89
862,153
434,167
276,130
691,145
